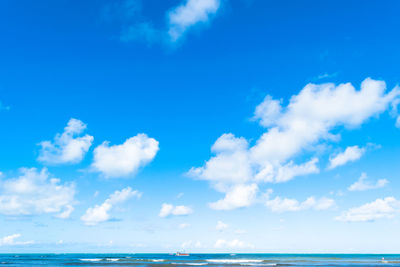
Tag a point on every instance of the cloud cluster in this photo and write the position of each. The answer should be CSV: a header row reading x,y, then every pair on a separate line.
x,y
362,184
352,153
237,169
169,209
36,192
378,209
125,159
100,213
68,147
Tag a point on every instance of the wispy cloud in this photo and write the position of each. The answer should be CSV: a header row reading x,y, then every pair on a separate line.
x,y
362,184
11,240
179,20
280,205
351,153
169,209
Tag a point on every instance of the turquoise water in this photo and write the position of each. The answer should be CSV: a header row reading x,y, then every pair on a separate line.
x,y
225,260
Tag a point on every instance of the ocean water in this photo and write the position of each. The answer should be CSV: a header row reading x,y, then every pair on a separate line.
x,y
225,260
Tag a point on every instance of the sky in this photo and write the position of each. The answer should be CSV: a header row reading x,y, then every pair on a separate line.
x,y
199,126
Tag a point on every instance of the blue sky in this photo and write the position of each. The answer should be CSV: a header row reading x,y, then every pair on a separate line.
x,y
199,125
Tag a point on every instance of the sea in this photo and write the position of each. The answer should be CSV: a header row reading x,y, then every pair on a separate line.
x,y
225,260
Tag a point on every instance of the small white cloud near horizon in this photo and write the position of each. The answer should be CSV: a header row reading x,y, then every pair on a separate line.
x,y
68,147
10,241
385,208
221,226
233,244
100,213
352,153
362,184
169,209
35,192
125,159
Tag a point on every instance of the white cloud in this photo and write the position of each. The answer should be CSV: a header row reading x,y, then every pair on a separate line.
x,y
125,159
68,147
66,213
10,240
36,192
280,205
180,19
221,226
304,124
352,153
268,112
362,184
238,196
397,124
183,225
100,213
189,14
221,243
378,209
169,209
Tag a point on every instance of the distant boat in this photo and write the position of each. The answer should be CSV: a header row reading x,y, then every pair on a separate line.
x,y
181,254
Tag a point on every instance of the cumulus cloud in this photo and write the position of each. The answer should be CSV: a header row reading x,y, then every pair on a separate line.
x,y
221,243
189,14
125,159
35,192
352,153
306,122
362,184
68,147
221,226
378,209
280,205
169,209
10,240
101,213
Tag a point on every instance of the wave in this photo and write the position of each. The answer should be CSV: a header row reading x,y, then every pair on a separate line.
x,y
112,259
90,259
190,263
234,261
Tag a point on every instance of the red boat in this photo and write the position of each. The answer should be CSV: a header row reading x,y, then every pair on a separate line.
x,y
181,254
